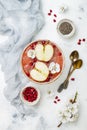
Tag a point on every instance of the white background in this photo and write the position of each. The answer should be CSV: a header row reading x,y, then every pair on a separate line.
x,y
49,32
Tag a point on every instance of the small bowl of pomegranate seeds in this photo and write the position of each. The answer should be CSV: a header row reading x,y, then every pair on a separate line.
x,y
30,95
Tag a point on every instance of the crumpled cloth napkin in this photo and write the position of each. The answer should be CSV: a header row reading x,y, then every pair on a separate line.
x,y
20,20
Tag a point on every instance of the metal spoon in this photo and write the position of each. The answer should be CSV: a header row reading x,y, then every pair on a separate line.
x,y
73,57
76,65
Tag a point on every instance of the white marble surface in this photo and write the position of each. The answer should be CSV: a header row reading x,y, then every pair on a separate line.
x,y
47,117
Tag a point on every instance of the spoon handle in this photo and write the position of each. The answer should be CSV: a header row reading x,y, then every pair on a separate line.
x,y
69,75
64,85
69,70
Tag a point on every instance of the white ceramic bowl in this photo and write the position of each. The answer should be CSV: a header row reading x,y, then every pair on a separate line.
x,y
67,35
27,102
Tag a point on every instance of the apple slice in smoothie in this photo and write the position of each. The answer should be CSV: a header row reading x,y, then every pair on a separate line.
x,y
40,72
44,52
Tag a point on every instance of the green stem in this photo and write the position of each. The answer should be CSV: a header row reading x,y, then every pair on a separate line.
x,y
75,98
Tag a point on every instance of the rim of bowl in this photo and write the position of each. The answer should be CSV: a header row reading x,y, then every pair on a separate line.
x,y
42,83
25,101
72,24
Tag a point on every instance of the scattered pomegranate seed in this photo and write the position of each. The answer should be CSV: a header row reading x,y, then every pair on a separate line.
x,y
83,39
79,43
55,15
58,100
51,11
72,79
55,102
54,20
49,14
79,40
56,97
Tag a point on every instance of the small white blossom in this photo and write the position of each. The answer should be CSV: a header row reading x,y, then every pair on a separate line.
x,y
54,67
67,112
63,117
31,53
73,108
70,113
74,117
63,8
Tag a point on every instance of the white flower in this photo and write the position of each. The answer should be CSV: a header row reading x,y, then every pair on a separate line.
x,y
73,108
74,117
31,53
54,67
63,8
64,118
69,114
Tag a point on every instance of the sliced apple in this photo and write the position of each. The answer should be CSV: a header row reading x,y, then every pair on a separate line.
x,y
44,52
40,72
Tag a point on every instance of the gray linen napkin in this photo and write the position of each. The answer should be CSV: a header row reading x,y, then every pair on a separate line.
x,y
20,20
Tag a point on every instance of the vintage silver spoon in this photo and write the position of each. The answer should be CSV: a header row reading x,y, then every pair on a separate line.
x,y
76,65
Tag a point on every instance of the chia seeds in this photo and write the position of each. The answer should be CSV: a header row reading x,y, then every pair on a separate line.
x,y
65,28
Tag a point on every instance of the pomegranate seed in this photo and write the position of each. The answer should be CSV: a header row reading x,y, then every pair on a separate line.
x,y
54,46
83,39
32,46
79,40
35,60
31,64
34,96
72,79
49,14
43,42
54,20
51,11
58,100
28,74
55,15
56,97
79,43
60,54
55,102
32,89
25,97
